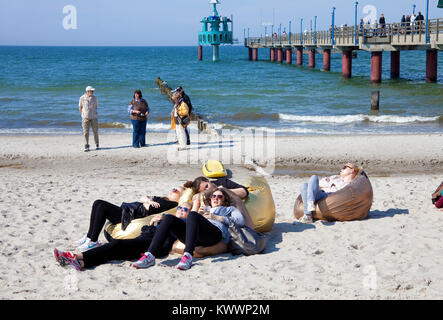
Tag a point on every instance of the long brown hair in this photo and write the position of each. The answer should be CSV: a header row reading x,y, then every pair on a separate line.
x,y
195,185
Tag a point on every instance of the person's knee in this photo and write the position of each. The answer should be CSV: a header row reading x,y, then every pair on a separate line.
x,y
313,179
303,187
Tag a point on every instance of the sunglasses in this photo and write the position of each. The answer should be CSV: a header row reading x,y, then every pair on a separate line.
x,y
347,167
182,208
217,196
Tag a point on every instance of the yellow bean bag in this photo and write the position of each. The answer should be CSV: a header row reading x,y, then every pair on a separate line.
x,y
260,203
353,202
133,230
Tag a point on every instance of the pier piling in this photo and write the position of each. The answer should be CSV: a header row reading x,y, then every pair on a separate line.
x,y
289,56
255,54
250,54
312,53
347,64
272,54
279,55
327,59
395,64
300,56
431,65
200,53
376,66
375,100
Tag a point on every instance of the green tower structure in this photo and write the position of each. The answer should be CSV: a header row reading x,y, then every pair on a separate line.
x,y
215,31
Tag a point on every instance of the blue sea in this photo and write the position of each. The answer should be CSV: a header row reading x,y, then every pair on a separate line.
x,y
40,88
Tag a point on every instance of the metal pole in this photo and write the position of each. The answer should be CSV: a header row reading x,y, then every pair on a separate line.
x,y
356,27
333,26
289,32
272,36
279,34
266,31
413,8
315,30
248,36
427,21
301,31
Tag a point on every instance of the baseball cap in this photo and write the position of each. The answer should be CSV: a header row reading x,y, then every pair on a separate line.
x,y
88,88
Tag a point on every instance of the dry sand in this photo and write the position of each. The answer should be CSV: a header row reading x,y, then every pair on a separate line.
x,y
48,185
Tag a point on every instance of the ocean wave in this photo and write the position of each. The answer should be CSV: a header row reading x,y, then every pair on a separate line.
x,y
360,118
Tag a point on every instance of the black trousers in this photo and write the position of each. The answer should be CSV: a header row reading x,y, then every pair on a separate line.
x,y
102,210
196,230
127,249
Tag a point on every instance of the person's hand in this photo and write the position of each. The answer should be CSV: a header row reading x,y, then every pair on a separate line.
x,y
151,203
156,219
208,215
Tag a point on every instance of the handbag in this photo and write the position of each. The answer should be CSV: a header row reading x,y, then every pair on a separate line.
x,y
245,240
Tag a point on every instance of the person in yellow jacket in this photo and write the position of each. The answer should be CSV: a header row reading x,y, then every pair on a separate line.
x,y
180,119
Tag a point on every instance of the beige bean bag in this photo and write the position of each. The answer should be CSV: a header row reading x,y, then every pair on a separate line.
x,y
353,202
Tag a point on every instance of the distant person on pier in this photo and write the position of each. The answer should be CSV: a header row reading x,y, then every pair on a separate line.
x,y
382,22
138,110
87,106
419,20
180,119
184,97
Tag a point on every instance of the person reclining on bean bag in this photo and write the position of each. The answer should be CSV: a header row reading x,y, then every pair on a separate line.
x,y
316,190
123,249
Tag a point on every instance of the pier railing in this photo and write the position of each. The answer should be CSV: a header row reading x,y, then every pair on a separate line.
x,y
394,34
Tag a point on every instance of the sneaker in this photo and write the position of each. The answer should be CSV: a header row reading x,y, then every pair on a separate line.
x,y
307,218
67,258
146,261
311,206
79,242
185,262
88,245
86,148
97,147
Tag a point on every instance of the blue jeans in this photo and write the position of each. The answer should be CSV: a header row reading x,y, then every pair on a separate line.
x,y
138,133
310,192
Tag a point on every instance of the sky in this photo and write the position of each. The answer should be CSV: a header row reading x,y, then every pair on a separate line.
x,y
175,22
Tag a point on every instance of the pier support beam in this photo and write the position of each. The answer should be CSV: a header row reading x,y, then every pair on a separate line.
x,y
250,53
279,55
347,64
327,59
312,53
255,54
272,54
431,65
289,56
200,53
300,56
376,66
395,64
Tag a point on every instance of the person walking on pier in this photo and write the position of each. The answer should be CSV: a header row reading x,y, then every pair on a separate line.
x,y
87,106
382,22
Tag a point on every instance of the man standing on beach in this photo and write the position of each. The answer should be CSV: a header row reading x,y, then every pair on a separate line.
x,y
87,106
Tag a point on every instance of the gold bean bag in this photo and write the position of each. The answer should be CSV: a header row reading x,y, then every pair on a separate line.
x,y
133,230
260,203
353,202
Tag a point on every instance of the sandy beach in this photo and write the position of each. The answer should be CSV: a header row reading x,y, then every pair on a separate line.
x,y
49,184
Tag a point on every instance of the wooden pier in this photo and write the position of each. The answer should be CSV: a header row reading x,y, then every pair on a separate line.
x,y
393,38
